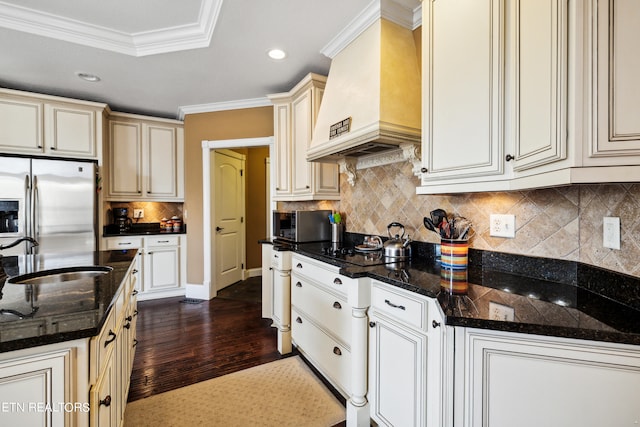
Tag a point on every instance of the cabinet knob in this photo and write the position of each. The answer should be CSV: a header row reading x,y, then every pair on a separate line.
x,y
424,170
337,305
337,281
509,157
128,325
298,319
435,324
298,285
372,324
53,148
337,351
39,146
112,338
106,401
134,271
307,187
299,265
129,318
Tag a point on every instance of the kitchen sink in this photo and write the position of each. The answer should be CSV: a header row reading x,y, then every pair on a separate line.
x,y
59,275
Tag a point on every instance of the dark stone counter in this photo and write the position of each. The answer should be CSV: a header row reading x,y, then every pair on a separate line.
x,y
34,315
548,297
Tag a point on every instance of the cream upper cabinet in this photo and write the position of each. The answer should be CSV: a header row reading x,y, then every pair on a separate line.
x,y
145,159
615,130
529,93
50,126
295,114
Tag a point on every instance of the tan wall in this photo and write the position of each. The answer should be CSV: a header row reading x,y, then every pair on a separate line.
x,y
222,125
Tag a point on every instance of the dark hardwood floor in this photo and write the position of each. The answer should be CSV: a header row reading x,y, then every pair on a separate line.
x,y
183,343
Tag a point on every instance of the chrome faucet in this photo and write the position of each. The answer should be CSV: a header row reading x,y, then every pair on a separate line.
x,y
31,240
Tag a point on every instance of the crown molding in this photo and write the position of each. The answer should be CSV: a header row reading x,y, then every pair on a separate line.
x,y
170,39
223,106
406,13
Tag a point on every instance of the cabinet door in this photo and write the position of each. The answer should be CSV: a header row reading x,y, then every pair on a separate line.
x,y
302,129
527,381
282,163
161,271
397,376
21,126
162,161
463,88
538,61
125,159
103,397
29,385
70,131
616,128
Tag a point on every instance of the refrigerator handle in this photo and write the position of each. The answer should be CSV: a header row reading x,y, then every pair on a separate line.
x,y
27,206
35,233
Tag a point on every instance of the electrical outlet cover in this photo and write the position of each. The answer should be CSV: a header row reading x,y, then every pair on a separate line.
x,y
501,312
502,225
138,213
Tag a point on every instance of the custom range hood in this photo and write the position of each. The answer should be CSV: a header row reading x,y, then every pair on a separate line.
x,y
372,100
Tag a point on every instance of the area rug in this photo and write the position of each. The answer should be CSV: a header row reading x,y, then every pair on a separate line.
x,y
280,393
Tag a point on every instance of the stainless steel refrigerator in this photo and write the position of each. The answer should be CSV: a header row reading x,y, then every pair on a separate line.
x,y
53,201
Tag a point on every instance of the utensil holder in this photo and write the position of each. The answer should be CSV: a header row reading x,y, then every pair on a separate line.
x,y
454,253
336,233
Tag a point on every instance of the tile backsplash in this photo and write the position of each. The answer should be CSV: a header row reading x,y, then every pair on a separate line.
x,y
153,211
562,222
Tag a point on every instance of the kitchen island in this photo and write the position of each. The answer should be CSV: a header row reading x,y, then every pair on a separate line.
x,y
66,348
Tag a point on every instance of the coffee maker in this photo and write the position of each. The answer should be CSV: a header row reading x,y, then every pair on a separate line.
x,y
121,219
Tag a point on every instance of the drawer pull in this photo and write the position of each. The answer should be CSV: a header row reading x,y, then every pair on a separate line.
x,y
135,342
337,305
135,312
298,285
135,292
435,324
163,241
298,319
128,325
337,281
276,256
372,324
124,244
299,265
389,303
337,351
128,318
110,340
134,271
106,401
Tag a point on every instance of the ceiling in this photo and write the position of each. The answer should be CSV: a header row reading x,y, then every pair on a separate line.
x,y
167,57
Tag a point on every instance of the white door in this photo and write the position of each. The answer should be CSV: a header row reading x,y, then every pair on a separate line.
x,y
228,218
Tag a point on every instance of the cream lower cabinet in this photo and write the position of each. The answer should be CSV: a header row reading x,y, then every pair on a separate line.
x,y
509,379
162,263
52,126
295,114
329,327
405,358
144,159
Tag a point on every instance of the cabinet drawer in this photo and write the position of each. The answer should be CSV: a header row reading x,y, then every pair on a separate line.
x,y
330,311
320,272
124,243
281,260
330,357
408,308
102,345
163,241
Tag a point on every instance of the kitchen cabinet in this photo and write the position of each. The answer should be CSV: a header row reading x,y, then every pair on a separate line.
x,y
295,114
509,379
529,94
329,327
145,159
52,126
162,263
405,327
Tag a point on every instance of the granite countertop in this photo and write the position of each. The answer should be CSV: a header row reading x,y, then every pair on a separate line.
x,y
142,229
57,312
548,297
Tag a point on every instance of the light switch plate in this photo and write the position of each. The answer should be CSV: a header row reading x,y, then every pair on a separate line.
x,y
611,232
502,225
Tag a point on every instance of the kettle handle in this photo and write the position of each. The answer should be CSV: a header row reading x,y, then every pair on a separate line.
x,y
395,224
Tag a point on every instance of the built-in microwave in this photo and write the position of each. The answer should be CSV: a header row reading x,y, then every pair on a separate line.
x,y
302,226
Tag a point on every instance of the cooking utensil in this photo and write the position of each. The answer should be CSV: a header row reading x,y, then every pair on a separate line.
x,y
398,246
429,224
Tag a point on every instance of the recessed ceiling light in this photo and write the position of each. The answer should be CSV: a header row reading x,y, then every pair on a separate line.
x,y
88,77
277,54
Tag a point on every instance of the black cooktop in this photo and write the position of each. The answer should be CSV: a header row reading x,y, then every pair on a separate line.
x,y
355,257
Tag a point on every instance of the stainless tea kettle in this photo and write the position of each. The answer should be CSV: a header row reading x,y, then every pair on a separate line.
x,y
398,246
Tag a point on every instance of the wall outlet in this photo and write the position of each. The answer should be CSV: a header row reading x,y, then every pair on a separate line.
x,y
611,232
501,312
502,225
138,213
